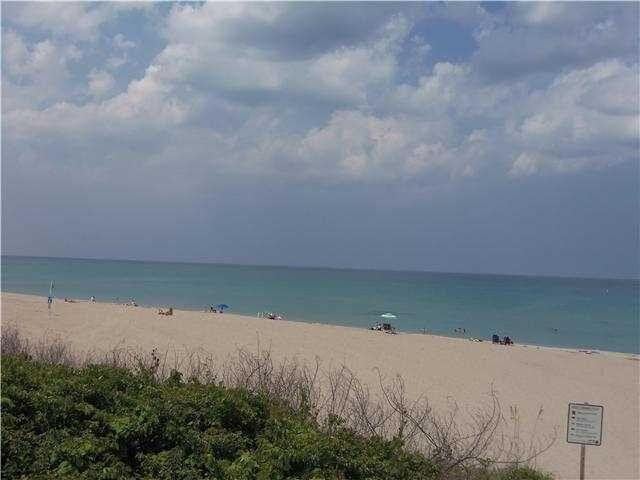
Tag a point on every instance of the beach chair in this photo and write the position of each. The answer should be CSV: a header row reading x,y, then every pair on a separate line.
x,y
495,338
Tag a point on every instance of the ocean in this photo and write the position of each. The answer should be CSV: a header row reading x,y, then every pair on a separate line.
x,y
561,312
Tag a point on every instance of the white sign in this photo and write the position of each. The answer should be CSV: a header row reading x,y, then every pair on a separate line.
x,y
584,424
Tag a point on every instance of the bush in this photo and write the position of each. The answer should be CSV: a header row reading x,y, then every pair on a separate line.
x,y
106,423
126,415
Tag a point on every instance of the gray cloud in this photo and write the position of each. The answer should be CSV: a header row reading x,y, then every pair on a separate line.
x,y
545,37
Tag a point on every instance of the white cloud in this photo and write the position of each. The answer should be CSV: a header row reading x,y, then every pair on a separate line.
x,y
526,164
122,49
35,73
72,19
357,147
100,83
578,121
44,58
330,114
114,62
77,20
121,43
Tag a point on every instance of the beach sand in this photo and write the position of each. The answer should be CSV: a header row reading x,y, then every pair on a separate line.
x,y
526,377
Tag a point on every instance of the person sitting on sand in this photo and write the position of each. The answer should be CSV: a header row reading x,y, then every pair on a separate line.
x,y
507,341
168,311
92,299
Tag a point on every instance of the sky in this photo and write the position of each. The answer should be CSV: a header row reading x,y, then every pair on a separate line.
x,y
461,137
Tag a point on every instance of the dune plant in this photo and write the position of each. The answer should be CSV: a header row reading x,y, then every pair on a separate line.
x,y
129,414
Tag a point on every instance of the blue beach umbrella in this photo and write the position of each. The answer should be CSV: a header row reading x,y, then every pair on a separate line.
x,y
388,315
222,306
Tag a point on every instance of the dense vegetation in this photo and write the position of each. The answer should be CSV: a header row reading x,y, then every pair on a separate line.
x,y
101,422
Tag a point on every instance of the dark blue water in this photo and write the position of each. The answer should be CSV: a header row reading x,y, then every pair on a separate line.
x,y
589,313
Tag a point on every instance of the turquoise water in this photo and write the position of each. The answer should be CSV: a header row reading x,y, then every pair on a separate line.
x,y
587,313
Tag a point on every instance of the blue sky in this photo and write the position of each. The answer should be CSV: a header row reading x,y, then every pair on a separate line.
x,y
499,137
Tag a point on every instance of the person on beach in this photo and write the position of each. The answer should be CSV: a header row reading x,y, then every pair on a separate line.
x,y
93,299
49,301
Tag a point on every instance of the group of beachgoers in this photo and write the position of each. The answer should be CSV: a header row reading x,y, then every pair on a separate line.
x,y
384,327
388,328
70,300
270,316
506,340
378,327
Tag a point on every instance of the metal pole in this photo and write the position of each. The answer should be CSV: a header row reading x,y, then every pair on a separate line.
x,y
582,449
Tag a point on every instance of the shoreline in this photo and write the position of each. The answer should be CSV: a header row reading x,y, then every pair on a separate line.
x,y
583,350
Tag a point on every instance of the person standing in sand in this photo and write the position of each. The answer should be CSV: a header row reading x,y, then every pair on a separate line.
x,y
50,298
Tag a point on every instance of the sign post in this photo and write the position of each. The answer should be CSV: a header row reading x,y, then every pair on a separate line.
x,y
584,427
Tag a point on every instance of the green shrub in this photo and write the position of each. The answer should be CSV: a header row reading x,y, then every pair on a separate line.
x,y
105,423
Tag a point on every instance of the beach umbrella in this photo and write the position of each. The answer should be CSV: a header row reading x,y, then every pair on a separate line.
x,y
222,306
388,315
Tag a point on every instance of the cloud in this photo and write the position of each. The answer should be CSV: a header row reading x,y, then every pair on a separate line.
x,y
75,20
354,146
121,51
101,83
114,62
35,74
121,43
209,49
545,37
42,58
294,31
225,96
577,122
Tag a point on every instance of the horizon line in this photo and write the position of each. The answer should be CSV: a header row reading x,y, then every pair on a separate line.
x,y
324,267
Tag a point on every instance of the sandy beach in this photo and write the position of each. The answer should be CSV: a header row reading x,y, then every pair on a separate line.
x,y
532,379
